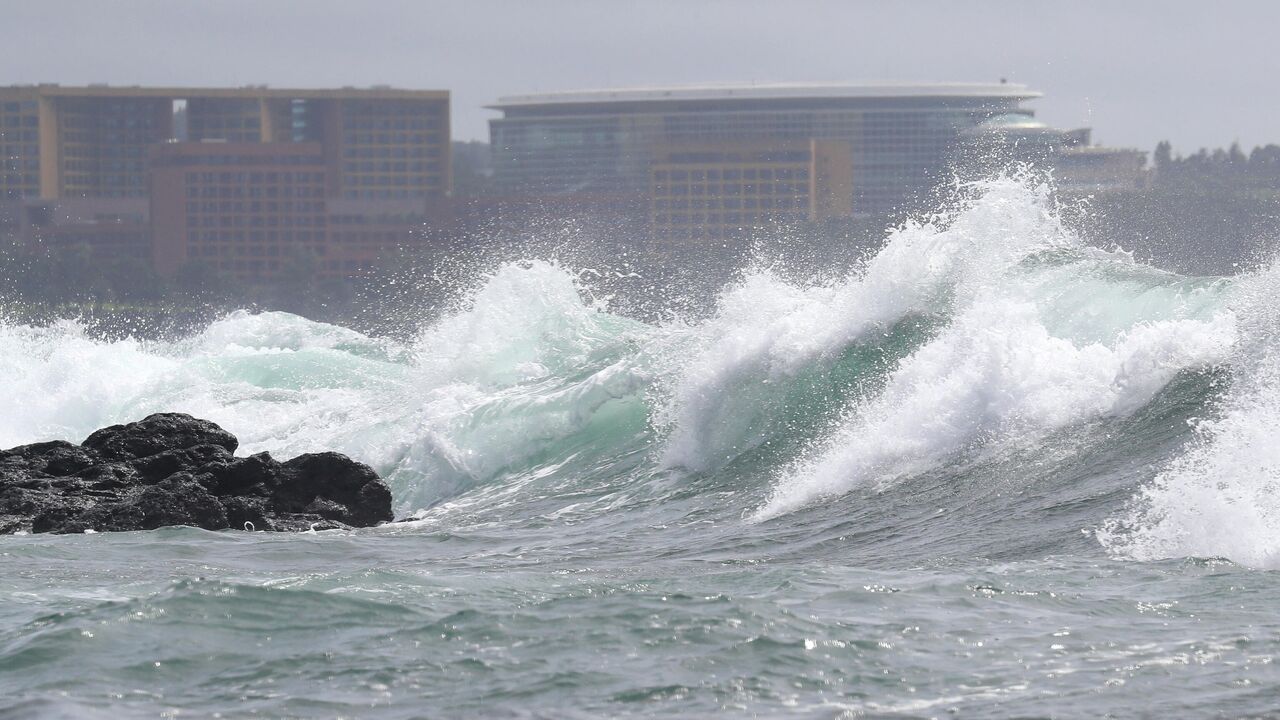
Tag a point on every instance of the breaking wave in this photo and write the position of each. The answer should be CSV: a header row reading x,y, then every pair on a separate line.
x,y
970,338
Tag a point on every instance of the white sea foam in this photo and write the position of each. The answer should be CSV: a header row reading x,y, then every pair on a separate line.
x,y
1026,351
526,367
56,382
525,363
996,375
766,329
1221,497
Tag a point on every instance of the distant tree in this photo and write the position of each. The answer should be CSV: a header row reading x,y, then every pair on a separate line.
x,y
1265,157
1235,155
1163,156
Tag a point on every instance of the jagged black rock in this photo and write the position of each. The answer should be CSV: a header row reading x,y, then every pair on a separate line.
x,y
174,469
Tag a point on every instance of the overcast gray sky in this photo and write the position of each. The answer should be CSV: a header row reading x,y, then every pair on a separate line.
x,y
1196,73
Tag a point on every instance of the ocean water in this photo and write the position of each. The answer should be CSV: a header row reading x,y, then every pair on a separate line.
x,y
991,472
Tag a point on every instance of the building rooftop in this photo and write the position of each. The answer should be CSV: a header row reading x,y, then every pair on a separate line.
x,y
138,91
1012,121
771,91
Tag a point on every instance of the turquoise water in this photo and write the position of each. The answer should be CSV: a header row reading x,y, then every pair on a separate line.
x,y
992,472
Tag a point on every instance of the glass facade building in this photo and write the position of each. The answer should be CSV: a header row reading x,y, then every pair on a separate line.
x,y
603,142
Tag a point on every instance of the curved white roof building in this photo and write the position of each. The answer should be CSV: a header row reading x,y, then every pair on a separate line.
x,y
601,141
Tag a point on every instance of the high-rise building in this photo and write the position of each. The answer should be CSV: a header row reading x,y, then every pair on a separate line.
x,y
377,157
380,143
603,142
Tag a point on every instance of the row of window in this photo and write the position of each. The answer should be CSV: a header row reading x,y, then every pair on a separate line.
x,y
103,179
729,218
91,150
369,166
778,188
256,267
19,121
227,178
270,192
389,138
385,194
395,152
254,206
234,122
97,167
696,232
206,237
235,136
793,173
9,147
418,181
750,203
222,159
419,120
368,238
129,123
225,245
203,250
267,221
15,179
24,136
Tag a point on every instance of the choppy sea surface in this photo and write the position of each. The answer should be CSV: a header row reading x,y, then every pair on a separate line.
x,y
992,472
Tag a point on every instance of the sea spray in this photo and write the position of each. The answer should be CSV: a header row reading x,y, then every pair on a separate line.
x,y
766,330
996,373
1221,496
995,376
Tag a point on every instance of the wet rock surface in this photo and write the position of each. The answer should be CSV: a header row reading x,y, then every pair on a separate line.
x,y
173,469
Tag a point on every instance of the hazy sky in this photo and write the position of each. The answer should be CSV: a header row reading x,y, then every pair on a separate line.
x,y
1197,73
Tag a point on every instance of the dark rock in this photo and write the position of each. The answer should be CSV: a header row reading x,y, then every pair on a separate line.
x,y
251,510
173,469
10,524
338,479
154,468
303,522
240,475
52,458
157,433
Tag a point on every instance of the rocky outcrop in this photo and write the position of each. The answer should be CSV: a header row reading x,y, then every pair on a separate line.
x,y
173,469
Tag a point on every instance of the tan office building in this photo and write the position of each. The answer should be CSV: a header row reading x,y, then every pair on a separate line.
x,y
258,211
707,191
